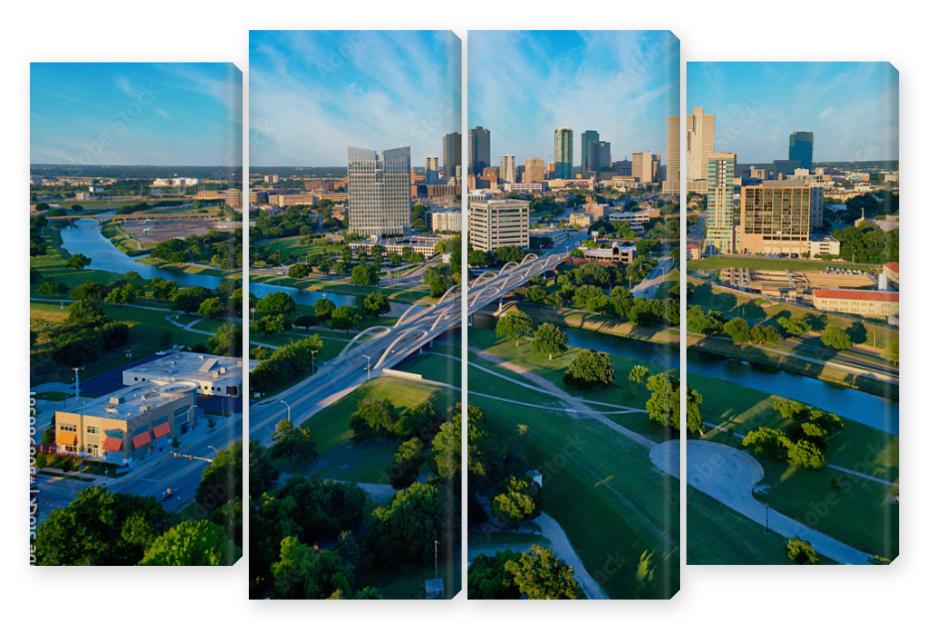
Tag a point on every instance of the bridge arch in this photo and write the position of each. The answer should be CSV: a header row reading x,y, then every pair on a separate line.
x,y
530,257
417,306
383,330
404,336
452,290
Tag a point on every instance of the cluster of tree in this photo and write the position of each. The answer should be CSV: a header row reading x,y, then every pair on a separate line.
x,y
535,574
38,244
286,364
868,244
439,278
663,402
86,333
142,206
741,332
800,551
802,438
226,300
292,222
223,249
497,257
589,369
103,528
869,205
379,418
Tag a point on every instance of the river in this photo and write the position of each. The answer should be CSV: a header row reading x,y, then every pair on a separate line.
x,y
856,405
84,237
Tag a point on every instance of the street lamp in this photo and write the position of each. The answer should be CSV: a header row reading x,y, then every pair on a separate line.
x,y
215,452
77,384
368,366
285,403
313,354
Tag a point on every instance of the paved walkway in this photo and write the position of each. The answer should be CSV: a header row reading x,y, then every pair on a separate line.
x,y
729,475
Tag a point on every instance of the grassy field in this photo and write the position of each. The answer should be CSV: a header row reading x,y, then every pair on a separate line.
x,y
753,262
601,323
408,295
849,508
148,332
51,266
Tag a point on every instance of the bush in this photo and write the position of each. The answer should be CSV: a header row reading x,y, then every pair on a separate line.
x,y
801,552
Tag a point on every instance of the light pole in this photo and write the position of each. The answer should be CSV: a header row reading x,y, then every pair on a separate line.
x,y
285,403
313,354
77,384
368,367
215,452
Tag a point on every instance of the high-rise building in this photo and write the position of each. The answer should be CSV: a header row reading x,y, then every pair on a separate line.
x,y
431,169
699,144
452,154
479,149
776,217
562,149
496,223
379,191
802,147
534,170
645,166
719,226
671,183
590,140
507,172
602,155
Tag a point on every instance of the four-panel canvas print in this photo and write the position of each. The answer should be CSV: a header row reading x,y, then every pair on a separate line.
x,y
464,325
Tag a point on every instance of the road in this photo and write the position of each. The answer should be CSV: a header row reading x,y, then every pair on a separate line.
x,y
648,286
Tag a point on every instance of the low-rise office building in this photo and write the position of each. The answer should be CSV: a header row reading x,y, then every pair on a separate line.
x,y
127,425
869,304
209,375
497,223
776,217
616,253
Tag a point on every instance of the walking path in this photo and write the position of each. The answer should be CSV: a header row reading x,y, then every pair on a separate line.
x,y
729,475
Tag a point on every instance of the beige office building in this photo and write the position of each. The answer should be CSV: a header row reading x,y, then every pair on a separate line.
x,y
644,166
507,172
699,144
776,217
127,425
496,223
869,304
671,183
534,170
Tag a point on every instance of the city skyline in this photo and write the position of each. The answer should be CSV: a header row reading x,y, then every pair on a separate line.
x,y
758,105
313,93
129,114
523,85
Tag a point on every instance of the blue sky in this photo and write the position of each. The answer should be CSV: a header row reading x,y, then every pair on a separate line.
x,y
852,108
136,113
524,84
312,94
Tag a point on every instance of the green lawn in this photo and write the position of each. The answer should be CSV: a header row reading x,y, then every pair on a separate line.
x,y
51,266
753,262
849,508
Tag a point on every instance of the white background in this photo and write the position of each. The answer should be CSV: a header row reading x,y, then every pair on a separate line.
x,y
710,597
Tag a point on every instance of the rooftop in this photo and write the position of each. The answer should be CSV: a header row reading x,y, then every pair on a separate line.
x,y
131,401
857,294
180,365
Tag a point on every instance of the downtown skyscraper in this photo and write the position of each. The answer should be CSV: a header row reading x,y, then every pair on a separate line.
x,y
452,154
699,145
801,148
673,163
719,230
507,171
379,191
590,139
562,150
479,150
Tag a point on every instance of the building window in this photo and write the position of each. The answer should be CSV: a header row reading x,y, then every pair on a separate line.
x,y
91,429
68,427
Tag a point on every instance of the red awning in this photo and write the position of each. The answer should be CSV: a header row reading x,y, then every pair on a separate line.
x,y
141,440
111,443
161,430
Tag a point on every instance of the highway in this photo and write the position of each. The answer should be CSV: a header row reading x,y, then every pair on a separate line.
x,y
373,350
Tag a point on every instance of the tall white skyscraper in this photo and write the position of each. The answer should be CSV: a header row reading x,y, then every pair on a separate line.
x,y
508,168
379,191
719,228
699,144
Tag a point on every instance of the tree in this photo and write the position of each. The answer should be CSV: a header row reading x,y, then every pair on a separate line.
x,y
86,314
307,573
549,339
323,308
406,463
705,322
275,303
305,321
738,330
376,304
891,352
404,530
488,580
345,318
663,404
99,528
263,476
536,293
761,334
589,369
364,274
638,373
836,338
805,454
374,417
222,479
693,420
77,261
192,542
539,575
518,501
768,442
211,308
513,325
801,551
188,299
299,270
292,444
797,326
227,340
438,279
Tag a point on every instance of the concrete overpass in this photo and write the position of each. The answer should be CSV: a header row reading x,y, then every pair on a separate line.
x,y
380,347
